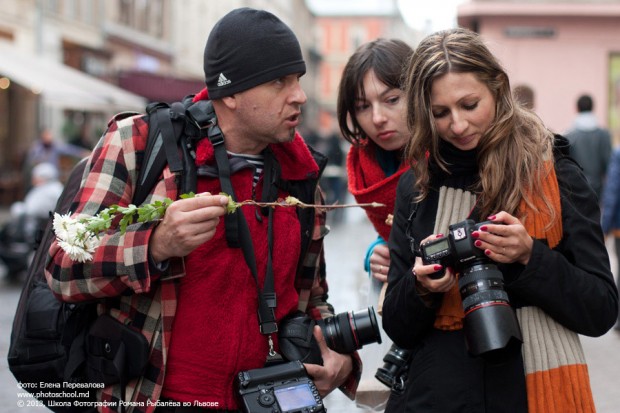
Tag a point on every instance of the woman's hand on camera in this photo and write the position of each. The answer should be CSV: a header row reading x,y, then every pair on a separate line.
x,y
426,275
380,262
335,370
506,240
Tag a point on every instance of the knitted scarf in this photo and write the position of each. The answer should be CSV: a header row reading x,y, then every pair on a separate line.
x,y
368,183
556,372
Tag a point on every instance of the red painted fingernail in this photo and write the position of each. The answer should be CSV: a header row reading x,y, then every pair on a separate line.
x,y
439,236
475,234
478,243
484,228
487,252
492,217
438,267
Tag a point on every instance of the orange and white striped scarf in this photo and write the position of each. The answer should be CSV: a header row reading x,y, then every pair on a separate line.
x,y
556,371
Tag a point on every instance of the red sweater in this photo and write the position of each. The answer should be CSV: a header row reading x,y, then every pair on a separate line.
x,y
216,333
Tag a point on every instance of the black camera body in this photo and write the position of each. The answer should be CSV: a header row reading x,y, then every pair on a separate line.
x,y
280,388
393,373
455,250
286,387
490,325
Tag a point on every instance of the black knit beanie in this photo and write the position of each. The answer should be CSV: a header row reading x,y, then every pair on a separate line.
x,y
246,48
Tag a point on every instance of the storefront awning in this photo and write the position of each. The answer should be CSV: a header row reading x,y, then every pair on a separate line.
x,y
158,88
63,86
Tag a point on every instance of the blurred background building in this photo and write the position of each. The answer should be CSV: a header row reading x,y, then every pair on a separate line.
x,y
68,65
561,49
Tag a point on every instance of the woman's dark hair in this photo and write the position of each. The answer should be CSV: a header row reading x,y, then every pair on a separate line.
x,y
387,58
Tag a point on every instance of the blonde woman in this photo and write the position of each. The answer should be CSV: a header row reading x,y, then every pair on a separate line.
x,y
475,153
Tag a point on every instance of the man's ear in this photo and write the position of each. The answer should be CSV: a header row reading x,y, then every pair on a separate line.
x,y
230,102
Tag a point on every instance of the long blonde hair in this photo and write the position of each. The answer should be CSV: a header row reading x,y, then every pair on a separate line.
x,y
512,152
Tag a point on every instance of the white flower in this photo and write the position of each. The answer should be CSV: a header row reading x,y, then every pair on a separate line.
x,y
74,238
61,224
91,243
76,252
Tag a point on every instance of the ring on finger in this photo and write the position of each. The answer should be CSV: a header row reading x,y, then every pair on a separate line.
x,y
503,250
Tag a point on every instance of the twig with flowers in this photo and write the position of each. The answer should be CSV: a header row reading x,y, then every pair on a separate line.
x,y
80,236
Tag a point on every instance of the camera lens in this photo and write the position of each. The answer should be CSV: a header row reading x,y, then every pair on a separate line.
x,y
350,331
490,325
395,361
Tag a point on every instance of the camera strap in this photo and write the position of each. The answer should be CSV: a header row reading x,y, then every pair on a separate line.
x,y
238,234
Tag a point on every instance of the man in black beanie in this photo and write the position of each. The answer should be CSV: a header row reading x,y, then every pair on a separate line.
x,y
208,289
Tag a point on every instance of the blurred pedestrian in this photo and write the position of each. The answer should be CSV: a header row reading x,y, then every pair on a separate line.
x,y
49,150
42,197
27,217
590,144
333,180
477,154
611,208
371,115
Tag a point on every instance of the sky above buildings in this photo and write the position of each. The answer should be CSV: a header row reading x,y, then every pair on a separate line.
x,y
419,14
429,16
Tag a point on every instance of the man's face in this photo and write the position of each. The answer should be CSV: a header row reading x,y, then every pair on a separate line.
x,y
269,113
46,138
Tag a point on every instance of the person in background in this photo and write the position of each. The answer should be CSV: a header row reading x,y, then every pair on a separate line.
x,y
333,180
19,234
47,149
610,206
476,153
590,144
41,198
371,114
182,282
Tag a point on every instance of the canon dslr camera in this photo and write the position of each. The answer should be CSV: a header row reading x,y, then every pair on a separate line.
x,y
286,387
281,388
393,373
491,327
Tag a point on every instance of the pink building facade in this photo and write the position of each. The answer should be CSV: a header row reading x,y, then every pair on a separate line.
x,y
560,50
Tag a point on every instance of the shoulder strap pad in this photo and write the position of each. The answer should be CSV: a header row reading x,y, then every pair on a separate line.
x,y
121,116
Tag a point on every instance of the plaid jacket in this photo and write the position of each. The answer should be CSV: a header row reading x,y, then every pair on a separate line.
x,y
135,292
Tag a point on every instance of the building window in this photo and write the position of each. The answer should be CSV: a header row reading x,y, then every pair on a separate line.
x,y
529,32
52,6
125,12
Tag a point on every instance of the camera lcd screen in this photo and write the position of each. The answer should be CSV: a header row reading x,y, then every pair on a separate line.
x,y
436,247
295,397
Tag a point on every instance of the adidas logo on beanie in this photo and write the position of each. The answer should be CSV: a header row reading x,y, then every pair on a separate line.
x,y
222,81
249,47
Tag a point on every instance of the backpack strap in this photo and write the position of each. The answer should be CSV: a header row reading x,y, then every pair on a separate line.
x,y
165,129
174,128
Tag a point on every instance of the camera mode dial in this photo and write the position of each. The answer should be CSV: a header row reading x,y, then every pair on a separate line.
x,y
266,399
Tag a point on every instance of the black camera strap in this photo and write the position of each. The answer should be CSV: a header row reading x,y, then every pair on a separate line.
x,y
238,234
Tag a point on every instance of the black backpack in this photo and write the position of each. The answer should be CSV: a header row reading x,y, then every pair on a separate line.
x,y
47,349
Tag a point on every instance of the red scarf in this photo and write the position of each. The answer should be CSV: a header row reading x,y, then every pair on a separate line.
x,y
368,183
